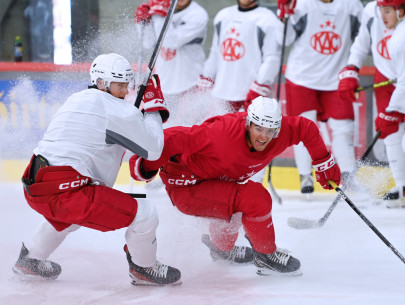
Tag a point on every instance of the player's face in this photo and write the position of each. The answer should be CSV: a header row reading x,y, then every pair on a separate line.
x,y
182,4
389,16
119,90
247,3
260,136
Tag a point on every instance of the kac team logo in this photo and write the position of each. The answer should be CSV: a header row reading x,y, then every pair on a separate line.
x,y
231,48
382,48
167,54
326,42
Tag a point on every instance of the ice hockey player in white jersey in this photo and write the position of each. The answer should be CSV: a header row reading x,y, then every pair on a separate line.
x,y
244,59
373,37
321,33
181,58
70,177
393,12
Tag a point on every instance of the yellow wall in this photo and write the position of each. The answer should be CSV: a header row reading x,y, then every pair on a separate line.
x,y
379,179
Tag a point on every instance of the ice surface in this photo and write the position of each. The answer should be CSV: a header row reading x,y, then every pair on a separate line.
x,y
343,262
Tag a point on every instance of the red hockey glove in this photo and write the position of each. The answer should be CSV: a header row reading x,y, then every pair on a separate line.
x,y
205,84
153,98
348,83
285,8
387,123
142,14
326,169
138,172
255,91
159,7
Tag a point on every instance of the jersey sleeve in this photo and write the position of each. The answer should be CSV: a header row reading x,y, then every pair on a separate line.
x,y
187,140
210,65
271,50
190,29
142,135
306,131
362,44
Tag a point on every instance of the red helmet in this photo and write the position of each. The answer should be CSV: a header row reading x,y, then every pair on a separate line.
x,y
394,3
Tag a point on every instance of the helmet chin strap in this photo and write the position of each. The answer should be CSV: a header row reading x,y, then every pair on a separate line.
x,y
399,19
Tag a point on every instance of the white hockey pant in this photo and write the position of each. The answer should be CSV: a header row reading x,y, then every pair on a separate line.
x,y
302,158
141,234
46,239
342,143
396,154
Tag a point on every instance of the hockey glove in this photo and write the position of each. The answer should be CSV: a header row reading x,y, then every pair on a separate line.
x,y
255,91
285,8
137,171
387,123
326,169
159,7
153,98
142,14
348,83
205,84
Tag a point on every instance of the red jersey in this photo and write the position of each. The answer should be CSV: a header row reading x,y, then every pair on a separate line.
x,y
217,149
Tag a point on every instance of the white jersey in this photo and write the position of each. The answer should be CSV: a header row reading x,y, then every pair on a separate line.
x,y
244,50
93,129
396,48
181,58
373,36
322,34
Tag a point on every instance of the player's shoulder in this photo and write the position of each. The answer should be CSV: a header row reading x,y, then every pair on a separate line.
x,y
225,12
351,4
197,10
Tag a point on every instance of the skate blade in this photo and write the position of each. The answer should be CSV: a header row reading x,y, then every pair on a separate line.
x,y
269,272
395,204
138,282
23,276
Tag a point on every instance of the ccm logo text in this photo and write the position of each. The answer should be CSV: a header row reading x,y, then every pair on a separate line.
x,y
73,184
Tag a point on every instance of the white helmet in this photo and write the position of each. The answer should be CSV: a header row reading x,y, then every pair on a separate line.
x,y
264,112
111,68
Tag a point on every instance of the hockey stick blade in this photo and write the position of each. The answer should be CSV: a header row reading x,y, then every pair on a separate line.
x,y
299,223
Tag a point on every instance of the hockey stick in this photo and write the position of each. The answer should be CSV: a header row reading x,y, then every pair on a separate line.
x,y
280,72
155,53
299,223
371,226
377,85
133,195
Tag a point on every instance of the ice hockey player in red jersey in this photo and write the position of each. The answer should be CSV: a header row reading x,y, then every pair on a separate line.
x,y
71,174
206,169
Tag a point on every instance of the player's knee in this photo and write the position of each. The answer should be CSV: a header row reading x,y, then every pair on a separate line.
x,y
393,139
146,219
254,200
72,228
341,127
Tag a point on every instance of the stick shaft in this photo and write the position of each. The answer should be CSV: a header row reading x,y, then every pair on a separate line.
x,y
377,85
155,53
368,222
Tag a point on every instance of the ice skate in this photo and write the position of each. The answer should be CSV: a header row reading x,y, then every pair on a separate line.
x,y
307,185
395,198
238,255
31,268
278,263
156,275
397,192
